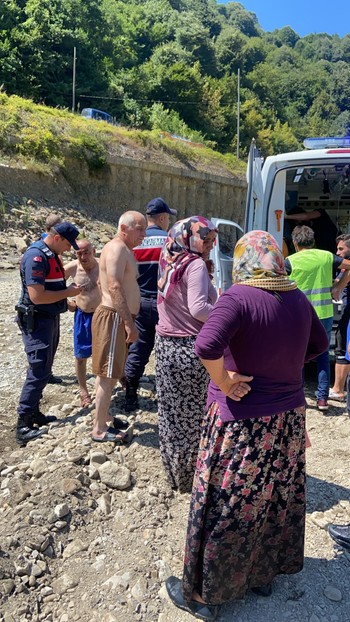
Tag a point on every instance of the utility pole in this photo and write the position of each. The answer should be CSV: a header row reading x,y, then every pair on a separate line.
x,y
74,73
238,109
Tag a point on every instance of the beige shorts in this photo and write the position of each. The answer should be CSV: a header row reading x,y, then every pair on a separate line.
x,y
109,349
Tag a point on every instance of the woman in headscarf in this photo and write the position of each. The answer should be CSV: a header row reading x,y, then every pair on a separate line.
x,y
247,513
185,299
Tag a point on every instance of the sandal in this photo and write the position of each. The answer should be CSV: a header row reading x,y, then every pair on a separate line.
x,y
85,400
110,436
337,397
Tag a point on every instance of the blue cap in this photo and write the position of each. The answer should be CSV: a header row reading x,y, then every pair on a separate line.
x,y
158,206
69,232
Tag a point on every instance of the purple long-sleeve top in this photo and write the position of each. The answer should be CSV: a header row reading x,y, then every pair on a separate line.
x,y
268,335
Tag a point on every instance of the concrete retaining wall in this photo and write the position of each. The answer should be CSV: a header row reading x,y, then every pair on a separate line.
x,y
130,184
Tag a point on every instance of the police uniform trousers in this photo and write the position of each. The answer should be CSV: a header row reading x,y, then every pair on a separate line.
x,y
40,347
140,351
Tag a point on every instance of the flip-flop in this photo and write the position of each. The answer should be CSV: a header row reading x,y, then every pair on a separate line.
x,y
110,436
337,397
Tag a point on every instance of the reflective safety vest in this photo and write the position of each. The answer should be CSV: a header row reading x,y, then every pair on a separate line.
x,y
312,270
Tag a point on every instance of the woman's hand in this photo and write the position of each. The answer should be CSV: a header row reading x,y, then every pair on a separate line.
x,y
235,385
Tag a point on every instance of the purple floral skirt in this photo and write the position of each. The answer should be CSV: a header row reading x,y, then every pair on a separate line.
x,y
247,514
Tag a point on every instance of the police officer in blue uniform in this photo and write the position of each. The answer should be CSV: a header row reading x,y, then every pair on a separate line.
x,y
43,297
147,256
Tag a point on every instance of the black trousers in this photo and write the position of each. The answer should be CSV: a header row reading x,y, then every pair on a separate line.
x,y
40,347
140,351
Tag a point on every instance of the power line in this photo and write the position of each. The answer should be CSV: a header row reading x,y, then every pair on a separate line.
x,y
153,101
150,101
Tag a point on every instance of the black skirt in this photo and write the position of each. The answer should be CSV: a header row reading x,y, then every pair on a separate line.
x,y
247,514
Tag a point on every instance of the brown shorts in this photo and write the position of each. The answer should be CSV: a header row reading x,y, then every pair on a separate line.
x,y
109,349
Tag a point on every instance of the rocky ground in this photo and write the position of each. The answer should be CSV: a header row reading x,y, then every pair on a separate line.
x,y
90,532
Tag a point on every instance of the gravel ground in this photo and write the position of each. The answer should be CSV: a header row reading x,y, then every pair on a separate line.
x,y
141,536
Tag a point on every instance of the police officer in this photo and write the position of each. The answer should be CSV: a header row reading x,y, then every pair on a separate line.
x,y
43,297
147,256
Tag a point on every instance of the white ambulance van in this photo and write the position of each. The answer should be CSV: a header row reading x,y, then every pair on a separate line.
x,y
229,233
317,177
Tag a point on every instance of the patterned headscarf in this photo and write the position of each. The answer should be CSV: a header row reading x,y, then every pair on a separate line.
x,y
183,245
258,262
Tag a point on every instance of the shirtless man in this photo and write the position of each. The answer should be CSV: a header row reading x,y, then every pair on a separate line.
x,y
84,271
113,324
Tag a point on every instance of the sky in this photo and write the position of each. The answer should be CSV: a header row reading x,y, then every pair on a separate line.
x,y
304,16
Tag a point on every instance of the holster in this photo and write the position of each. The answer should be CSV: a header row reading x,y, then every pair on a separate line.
x,y
26,316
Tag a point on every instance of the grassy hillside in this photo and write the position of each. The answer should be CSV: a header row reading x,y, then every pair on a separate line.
x,y
42,138
172,65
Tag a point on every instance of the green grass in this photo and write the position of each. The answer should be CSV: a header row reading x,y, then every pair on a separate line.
x,y
42,138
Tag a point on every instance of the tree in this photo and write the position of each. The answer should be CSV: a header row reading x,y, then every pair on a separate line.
x,y
245,21
181,86
229,49
219,110
321,114
341,85
285,36
341,125
194,37
283,139
44,36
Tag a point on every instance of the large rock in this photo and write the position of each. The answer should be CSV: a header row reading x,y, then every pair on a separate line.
x,y
19,243
74,548
63,583
114,475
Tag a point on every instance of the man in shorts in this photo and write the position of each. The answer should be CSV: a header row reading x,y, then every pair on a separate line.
x,y
84,271
113,326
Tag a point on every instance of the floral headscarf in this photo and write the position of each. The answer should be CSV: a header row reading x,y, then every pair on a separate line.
x,y
183,245
258,262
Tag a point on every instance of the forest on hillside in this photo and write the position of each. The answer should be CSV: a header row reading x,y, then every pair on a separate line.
x,y
172,65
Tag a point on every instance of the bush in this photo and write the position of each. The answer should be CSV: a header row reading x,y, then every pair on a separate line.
x,y
170,121
38,142
89,149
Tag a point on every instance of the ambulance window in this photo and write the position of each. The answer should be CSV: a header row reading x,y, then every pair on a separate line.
x,y
228,237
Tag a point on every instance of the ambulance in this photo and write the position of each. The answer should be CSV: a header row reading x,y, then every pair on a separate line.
x,y
317,177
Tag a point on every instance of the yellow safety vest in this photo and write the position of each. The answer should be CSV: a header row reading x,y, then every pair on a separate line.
x,y
312,270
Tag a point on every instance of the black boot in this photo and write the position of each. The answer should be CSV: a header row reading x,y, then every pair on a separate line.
x,y
40,419
54,379
131,400
25,431
264,590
